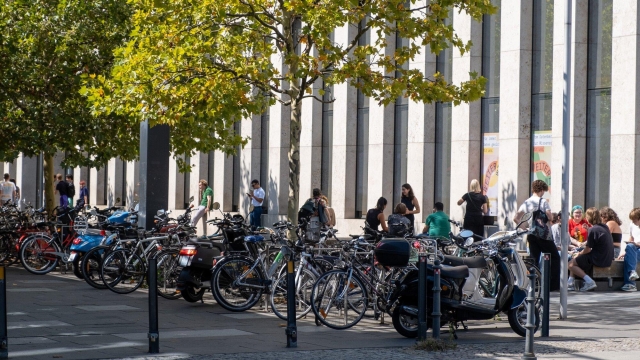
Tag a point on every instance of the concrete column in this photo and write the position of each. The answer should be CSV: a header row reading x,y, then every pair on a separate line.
x,y
466,145
249,160
58,158
311,144
515,107
80,173
223,181
624,191
9,168
199,170
132,181
421,146
345,126
577,103
176,185
26,178
381,140
115,173
96,186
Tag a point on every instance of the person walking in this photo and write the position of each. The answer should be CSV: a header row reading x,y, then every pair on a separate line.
x,y
61,190
84,193
539,245
206,202
8,190
437,223
631,253
411,202
257,198
476,209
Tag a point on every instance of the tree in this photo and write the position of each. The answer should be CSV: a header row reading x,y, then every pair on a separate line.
x,y
46,48
210,62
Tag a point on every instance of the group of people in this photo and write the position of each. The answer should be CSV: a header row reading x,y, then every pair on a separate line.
x,y
66,191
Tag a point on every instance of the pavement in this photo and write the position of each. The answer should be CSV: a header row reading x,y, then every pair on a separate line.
x,y
60,316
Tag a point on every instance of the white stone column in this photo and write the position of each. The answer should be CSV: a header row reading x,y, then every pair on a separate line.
x,y
466,125
223,181
97,186
26,178
249,160
345,127
115,180
515,107
381,140
132,183
176,185
311,144
199,170
624,186
577,103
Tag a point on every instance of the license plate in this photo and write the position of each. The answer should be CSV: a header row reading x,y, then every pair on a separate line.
x,y
72,256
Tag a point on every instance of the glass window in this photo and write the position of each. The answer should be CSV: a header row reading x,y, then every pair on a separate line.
x,y
444,65
599,102
327,141
490,106
265,177
541,87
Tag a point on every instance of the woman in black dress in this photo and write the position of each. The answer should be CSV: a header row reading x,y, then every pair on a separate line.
x,y
412,204
476,209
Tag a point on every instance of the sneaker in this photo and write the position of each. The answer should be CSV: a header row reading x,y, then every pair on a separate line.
x,y
571,287
628,287
588,286
633,276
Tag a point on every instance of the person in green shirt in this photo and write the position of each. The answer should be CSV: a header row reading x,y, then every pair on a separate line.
x,y
437,223
206,202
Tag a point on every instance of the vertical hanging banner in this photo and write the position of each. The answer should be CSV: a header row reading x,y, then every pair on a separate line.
x,y
490,171
541,158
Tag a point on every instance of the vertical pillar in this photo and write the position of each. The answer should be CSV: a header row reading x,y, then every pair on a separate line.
x,y
249,160
625,110
154,171
26,178
223,181
132,183
57,161
577,102
466,122
96,186
115,172
199,170
311,144
176,185
345,126
515,109
381,140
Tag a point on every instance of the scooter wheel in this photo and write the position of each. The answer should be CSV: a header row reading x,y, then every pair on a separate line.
x,y
191,295
405,324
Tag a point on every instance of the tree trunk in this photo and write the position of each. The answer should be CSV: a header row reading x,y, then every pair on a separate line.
x,y
49,192
294,161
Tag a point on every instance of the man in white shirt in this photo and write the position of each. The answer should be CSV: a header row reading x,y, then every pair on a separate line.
x,y
631,254
8,189
257,197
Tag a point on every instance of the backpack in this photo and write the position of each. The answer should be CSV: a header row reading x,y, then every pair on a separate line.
x,y
308,209
71,190
539,223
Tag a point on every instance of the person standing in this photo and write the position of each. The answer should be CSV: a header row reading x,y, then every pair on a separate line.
x,y
631,253
411,202
71,189
437,223
8,190
18,195
476,208
539,245
61,190
257,198
330,211
206,202
84,193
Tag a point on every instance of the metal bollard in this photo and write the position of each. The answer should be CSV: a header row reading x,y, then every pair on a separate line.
x,y
436,299
4,341
546,283
292,330
153,335
531,326
422,298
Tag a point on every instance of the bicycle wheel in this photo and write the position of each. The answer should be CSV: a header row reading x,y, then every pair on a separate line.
x,y
38,254
231,289
6,250
278,297
123,271
91,266
167,274
337,302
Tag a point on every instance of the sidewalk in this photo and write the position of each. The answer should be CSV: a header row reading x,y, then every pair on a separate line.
x,y
60,316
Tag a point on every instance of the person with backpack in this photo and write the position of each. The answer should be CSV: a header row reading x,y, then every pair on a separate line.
x,y
540,240
71,189
206,202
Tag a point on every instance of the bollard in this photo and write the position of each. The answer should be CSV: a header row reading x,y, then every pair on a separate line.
x,y
154,336
422,298
531,325
436,299
546,283
4,341
291,331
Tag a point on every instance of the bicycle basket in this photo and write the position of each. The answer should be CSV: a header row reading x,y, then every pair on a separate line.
x,y
80,225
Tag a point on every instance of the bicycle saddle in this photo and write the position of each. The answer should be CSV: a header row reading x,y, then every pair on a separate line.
x,y
473,262
453,272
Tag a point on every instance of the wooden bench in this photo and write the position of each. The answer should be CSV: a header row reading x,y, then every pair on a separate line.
x,y
610,278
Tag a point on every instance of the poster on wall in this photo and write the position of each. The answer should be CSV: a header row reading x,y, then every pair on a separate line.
x,y
490,171
541,158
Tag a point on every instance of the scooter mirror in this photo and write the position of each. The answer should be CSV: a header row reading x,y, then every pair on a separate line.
x,y
160,212
469,241
215,206
191,199
466,234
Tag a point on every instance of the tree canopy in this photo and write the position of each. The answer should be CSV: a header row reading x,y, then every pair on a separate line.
x,y
201,65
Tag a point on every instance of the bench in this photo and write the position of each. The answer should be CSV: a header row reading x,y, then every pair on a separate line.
x,y
610,278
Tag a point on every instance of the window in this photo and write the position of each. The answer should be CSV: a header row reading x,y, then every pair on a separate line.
x,y
490,105
444,65
599,102
400,132
327,141
265,177
541,86
362,140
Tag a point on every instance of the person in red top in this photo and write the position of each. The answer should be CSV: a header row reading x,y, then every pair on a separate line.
x,y
578,226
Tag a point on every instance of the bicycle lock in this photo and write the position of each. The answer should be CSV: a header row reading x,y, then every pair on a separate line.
x,y
531,325
436,299
4,341
153,335
546,283
291,331
422,297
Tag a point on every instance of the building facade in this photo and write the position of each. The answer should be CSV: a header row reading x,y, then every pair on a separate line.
x,y
356,150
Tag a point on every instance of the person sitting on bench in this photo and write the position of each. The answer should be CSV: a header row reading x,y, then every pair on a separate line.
x,y
598,251
631,253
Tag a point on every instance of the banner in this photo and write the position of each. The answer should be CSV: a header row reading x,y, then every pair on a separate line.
x,y
490,171
541,158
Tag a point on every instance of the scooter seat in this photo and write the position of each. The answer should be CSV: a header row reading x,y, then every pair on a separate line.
x,y
455,272
253,239
473,262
